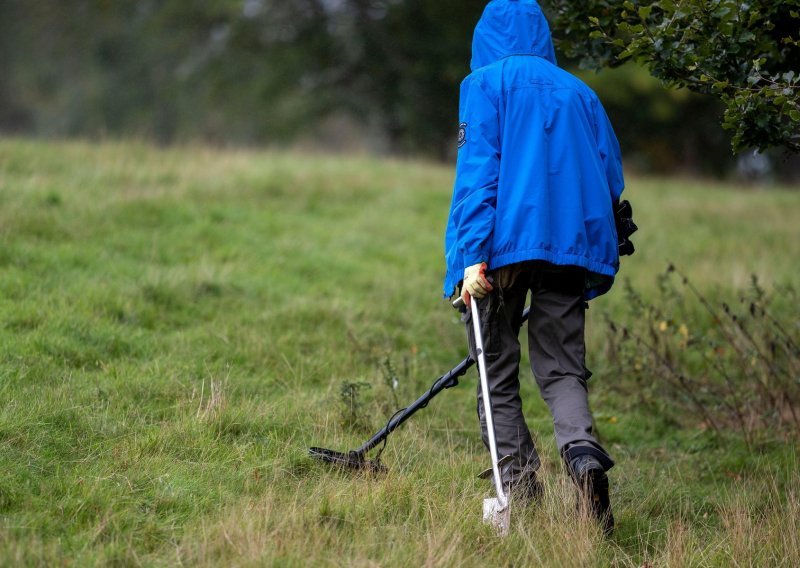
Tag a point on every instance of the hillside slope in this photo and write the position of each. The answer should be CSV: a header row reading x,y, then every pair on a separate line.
x,y
178,326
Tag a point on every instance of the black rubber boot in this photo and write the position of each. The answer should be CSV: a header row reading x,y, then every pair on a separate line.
x,y
589,475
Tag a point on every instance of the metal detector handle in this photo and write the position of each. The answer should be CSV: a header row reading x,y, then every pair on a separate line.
x,y
459,303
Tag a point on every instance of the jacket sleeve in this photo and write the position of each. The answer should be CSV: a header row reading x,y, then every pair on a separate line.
x,y
608,145
477,174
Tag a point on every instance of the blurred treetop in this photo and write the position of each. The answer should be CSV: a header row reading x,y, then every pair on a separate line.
x,y
247,71
745,53
255,71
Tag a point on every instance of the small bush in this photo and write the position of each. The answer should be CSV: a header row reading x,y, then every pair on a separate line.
x,y
732,366
351,405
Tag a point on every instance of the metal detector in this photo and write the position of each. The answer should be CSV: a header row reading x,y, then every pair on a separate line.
x,y
357,459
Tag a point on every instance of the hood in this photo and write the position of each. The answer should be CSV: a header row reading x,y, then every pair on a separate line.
x,y
511,27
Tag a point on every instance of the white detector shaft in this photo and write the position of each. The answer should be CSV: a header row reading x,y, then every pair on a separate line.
x,y
502,499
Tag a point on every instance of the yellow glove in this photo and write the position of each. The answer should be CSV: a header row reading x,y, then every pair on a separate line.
x,y
476,285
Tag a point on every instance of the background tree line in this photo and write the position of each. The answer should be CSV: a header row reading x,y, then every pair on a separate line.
x,y
270,71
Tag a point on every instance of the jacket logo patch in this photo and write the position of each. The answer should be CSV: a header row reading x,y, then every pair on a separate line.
x,y
462,134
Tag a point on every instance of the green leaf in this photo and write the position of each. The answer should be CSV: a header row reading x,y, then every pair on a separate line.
x,y
625,54
720,85
795,115
644,12
747,37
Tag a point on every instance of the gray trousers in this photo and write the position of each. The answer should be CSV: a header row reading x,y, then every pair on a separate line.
x,y
557,353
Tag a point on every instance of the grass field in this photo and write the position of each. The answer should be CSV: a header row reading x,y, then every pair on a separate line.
x,y
176,327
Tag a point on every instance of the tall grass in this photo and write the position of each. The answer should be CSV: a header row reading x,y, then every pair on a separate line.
x,y
178,326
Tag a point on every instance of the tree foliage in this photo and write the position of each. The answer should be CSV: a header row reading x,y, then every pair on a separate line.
x,y
250,71
256,71
747,54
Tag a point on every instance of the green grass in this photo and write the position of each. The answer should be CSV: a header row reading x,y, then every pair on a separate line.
x,y
176,325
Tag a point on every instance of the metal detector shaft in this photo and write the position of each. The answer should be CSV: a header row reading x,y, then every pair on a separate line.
x,y
446,381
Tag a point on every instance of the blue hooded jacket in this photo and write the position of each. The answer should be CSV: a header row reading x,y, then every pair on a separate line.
x,y
538,165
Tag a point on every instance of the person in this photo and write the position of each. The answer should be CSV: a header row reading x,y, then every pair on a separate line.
x,y
538,176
